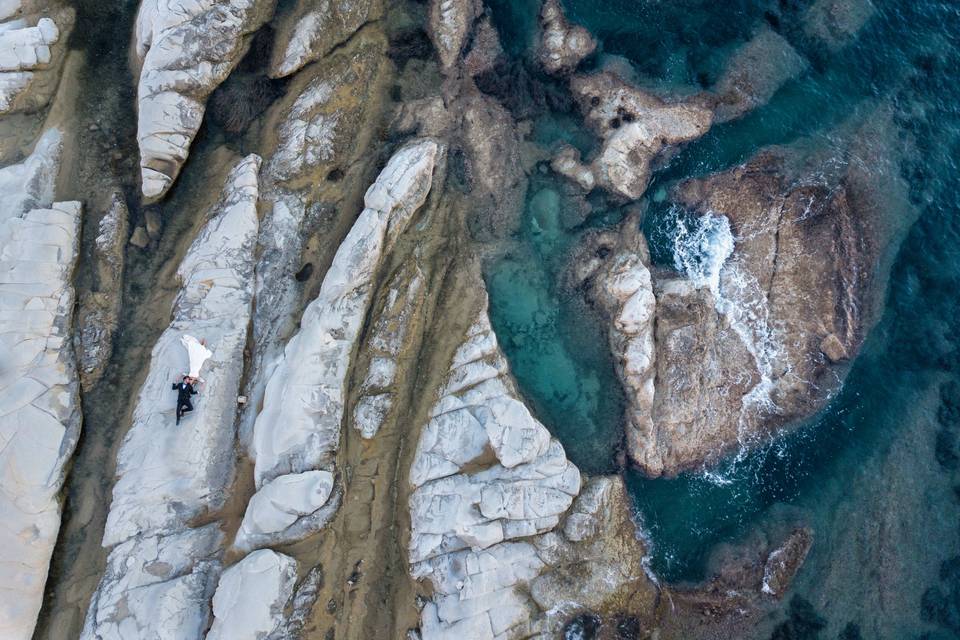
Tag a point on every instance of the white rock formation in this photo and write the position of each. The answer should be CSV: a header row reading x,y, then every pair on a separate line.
x,y
157,587
627,292
487,477
186,48
450,24
635,127
562,45
315,28
287,509
298,429
39,406
251,597
321,131
169,474
31,56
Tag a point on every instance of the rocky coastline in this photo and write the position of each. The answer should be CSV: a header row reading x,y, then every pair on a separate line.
x,y
362,462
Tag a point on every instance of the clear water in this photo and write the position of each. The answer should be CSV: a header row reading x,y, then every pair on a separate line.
x,y
876,473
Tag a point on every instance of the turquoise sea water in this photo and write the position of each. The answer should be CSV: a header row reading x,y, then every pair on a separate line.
x,y
876,475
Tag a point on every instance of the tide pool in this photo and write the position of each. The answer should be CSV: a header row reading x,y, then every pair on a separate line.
x,y
876,474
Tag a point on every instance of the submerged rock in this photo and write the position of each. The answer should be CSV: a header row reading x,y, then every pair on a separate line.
x,y
562,45
185,50
32,49
837,22
169,474
250,599
313,29
754,73
635,127
298,429
39,404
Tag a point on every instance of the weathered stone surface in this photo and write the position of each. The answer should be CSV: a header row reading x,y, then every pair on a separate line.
x,y
313,29
562,45
32,50
39,406
250,599
485,49
388,340
497,182
635,126
450,23
100,308
282,503
622,285
298,429
185,50
169,474
319,133
485,472
754,73
157,587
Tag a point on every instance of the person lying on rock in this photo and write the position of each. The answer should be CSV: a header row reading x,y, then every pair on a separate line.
x,y
184,390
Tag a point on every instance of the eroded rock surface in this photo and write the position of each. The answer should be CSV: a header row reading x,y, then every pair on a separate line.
x,y
185,50
170,474
321,133
250,599
39,404
32,50
450,24
562,45
635,127
298,429
100,308
313,29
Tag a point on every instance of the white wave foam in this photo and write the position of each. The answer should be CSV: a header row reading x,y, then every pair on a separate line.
x,y
703,251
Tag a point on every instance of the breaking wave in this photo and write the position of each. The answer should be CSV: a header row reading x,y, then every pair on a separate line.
x,y
702,251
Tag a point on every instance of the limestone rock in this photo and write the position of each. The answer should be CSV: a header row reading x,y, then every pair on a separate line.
x,y
100,309
175,575
39,405
185,50
298,429
32,50
623,287
485,472
450,24
250,599
635,127
562,45
275,513
319,129
169,474
321,132
754,73
313,29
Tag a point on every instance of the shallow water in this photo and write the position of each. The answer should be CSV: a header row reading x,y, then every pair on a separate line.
x,y
875,474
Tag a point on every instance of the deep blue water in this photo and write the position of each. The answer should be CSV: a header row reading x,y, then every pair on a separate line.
x,y
876,473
